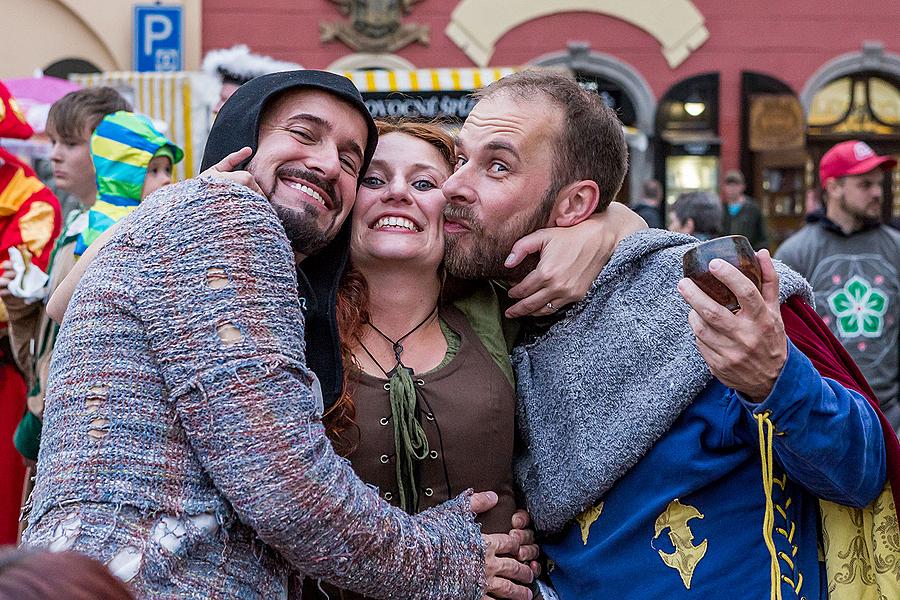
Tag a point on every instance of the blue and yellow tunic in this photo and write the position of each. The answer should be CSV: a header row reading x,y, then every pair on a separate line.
x,y
693,520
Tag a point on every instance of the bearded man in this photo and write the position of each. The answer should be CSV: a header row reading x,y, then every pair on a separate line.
x,y
852,261
671,449
183,444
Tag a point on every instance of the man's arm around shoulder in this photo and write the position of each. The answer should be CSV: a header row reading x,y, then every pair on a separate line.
x,y
219,301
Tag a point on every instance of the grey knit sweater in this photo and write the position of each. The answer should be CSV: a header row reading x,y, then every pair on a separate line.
x,y
604,383
181,442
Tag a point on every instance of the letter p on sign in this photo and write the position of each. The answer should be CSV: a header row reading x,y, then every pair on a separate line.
x,y
156,28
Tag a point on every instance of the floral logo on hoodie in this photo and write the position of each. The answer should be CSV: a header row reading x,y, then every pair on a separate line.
x,y
859,308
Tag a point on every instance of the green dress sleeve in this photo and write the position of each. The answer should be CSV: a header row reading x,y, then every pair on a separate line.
x,y
483,310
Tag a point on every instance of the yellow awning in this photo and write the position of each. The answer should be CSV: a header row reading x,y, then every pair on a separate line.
x,y
426,80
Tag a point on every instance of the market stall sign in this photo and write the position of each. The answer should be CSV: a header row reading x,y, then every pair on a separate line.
x,y
457,105
423,92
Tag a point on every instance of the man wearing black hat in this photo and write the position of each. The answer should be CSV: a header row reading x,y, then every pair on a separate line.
x,y
183,445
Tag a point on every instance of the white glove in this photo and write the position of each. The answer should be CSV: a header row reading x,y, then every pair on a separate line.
x,y
29,281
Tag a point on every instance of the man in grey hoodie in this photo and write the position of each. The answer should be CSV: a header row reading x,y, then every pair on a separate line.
x,y
852,261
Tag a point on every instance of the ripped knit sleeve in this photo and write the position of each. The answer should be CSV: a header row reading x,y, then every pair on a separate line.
x,y
219,303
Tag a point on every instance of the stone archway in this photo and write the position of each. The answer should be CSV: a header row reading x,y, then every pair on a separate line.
x,y
872,57
580,57
476,26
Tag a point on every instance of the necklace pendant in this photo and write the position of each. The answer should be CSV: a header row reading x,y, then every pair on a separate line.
x,y
396,345
401,368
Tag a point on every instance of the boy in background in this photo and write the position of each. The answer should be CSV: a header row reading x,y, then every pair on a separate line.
x,y
698,214
70,123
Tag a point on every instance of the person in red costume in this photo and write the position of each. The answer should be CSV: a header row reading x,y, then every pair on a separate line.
x,y
30,221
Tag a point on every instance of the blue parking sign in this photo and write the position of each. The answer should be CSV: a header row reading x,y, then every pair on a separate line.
x,y
158,33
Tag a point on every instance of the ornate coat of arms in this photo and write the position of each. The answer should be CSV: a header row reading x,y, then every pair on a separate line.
x,y
375,25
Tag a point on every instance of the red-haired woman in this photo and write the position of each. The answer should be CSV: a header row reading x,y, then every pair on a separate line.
x,y
428,407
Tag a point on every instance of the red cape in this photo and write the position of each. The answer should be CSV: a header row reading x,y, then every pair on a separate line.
x,y
812,337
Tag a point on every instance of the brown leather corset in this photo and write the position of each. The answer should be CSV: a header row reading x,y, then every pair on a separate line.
x,y
467,409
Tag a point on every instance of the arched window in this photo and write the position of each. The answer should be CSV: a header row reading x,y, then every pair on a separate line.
x,y
861,105
623,88
858,104
687,128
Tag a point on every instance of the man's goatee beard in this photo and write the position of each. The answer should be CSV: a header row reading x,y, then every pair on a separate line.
x,y
487,256
301,225
302,229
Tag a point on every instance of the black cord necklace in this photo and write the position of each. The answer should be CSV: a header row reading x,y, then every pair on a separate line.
x,y
396,345
410,441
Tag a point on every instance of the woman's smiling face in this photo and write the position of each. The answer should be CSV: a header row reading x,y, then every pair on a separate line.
x,y
398,212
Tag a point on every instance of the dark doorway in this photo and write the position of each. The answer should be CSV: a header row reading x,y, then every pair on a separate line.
x,y
687,134
70,66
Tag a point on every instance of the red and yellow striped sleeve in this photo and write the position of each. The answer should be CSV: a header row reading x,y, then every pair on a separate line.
x,y
30,215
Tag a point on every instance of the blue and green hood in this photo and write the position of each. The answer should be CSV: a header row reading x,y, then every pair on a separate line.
x,y
122,147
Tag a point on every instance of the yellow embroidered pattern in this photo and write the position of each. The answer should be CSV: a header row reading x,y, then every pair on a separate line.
x,y
862,549
686,556
786,529
586,519
766,429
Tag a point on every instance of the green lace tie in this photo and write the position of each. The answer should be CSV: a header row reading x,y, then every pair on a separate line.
x,y
410,442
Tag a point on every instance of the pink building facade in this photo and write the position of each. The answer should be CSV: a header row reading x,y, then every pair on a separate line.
x,y
776,83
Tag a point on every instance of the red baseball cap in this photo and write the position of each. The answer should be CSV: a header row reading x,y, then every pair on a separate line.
x,y
12,121
852,158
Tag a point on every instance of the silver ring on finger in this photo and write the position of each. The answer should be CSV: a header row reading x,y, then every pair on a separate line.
x,y
550,306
